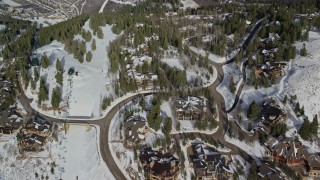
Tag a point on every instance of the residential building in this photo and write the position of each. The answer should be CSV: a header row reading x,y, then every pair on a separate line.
x,y
10,121
271,113
134,130
189,108
289,151
208,162
159,166
313,162
265,171
34,134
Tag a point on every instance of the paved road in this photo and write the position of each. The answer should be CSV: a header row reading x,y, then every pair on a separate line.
x,y
105,122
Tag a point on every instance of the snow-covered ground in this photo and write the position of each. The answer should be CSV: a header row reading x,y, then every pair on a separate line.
x,y
103,6
74,154
82,94
10,3
212,57
304,76
2,27
254,149
45,21
173,62
189,4
230,71
81,154
166,111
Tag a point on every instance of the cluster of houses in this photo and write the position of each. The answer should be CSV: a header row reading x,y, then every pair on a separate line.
x,y
34,134
207,162
291,152
158,165
5,86
270,69
189,108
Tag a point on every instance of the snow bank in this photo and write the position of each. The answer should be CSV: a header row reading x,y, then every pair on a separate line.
x,y
230,71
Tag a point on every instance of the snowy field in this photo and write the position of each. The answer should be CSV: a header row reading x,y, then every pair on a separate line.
x,y
254,149
82,94
81,155
75,154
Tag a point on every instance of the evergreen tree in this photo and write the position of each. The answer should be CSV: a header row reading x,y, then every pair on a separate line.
x,y
314,125
45,61
35,74
232,86
43,91
100,33
88,56
93,44
59,77
305,130
303,50
59,65
56,97
253,111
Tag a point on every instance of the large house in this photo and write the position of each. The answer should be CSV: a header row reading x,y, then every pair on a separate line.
x,y
159,166
134,129
289,151
207,162
265,171
292,153
271,113
189,108
313,164
270,69
34,134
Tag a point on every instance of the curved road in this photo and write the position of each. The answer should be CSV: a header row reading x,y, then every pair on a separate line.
x,y
105,122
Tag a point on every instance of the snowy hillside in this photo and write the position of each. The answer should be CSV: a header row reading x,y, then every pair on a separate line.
x,y
304,76
82,94
301,79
